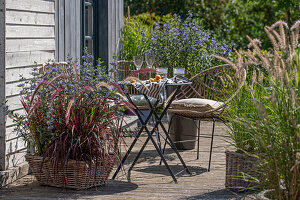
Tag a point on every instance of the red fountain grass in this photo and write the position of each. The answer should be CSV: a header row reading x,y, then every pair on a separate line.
x,y
81,127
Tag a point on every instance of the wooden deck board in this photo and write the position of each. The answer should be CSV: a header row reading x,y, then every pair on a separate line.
x,y
148,179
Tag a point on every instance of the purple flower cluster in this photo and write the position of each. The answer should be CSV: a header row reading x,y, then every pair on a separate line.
x,y
88,74
184,43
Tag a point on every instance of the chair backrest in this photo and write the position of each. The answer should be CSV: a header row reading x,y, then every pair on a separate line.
x,y
125,67
123,70
219,83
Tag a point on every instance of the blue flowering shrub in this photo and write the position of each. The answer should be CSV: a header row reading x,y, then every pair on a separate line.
x,y
175,42
136,31
66,82
89,73
184,44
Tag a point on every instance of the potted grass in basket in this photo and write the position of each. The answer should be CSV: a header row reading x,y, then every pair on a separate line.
x,y
71,123
266,119
241,162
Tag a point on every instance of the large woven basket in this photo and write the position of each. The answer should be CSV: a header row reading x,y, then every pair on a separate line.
x,y
240,171
76,174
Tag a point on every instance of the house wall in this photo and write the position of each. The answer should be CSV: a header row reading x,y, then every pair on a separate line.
x,y
2,83
68,29
30,37
36,31
110,19
115,25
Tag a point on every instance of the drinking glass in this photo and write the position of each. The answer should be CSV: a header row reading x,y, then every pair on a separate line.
x,y
163,71
138,61
178,72
150,59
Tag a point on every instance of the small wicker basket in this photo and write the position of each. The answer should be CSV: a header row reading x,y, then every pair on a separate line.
x,y
76,174
237,166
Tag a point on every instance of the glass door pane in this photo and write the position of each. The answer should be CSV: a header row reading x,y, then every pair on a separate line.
x,y
88,25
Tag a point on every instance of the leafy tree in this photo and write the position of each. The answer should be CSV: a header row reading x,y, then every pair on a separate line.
x,y
228,19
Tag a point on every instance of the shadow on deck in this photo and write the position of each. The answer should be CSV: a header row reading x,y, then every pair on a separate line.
x,y
148,179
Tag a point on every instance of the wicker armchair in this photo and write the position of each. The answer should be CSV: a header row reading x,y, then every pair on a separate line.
x,y
220,84
124,68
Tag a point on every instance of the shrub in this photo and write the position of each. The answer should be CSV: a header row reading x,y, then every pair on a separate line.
x,y
184,44
134,32
230,20
157,6
70,115
274,127
241,108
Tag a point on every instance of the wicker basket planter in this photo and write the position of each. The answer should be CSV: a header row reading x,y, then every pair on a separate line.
x,y
76,174
236,165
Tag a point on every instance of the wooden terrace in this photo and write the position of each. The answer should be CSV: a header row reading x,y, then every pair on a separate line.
x,y
148,179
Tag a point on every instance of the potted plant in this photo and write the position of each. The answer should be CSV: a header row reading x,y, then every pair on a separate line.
x,y
71,123
241,163
274,94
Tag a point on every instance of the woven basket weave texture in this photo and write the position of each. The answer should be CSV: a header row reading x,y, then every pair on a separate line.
x,y
76,174
238,165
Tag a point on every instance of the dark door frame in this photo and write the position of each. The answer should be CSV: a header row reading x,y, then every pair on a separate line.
x,y
100,29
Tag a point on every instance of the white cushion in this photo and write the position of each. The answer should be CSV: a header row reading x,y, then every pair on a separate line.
x,y
196,104
140,100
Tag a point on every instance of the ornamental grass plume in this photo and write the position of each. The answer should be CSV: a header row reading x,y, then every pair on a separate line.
x,y
265,117
66,118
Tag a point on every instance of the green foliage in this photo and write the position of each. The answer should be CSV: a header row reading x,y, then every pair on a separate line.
x,y
228,19
159,7
232,20
175,42
77,112
132,36
267,123
277,135
240,109
133,31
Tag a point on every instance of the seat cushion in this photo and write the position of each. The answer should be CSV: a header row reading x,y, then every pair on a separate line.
x,y
196,104
140,100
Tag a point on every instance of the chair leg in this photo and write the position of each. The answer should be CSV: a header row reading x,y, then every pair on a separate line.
x,y
165,144
211,143
156,132
198,140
